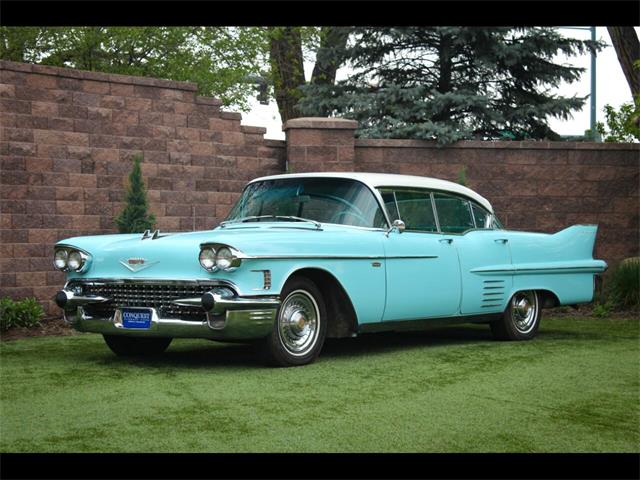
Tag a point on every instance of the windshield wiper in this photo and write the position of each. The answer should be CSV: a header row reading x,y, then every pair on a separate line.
x,y
257,217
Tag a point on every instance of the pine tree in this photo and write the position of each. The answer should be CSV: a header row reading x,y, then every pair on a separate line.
x,y
135,217
452,83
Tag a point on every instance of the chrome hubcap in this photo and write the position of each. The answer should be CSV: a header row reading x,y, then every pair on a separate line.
x,y
298,322
524,309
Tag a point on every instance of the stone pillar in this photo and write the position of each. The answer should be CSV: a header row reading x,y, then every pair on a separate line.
x,y
320,145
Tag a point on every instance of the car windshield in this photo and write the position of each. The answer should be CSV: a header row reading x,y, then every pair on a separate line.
x,y
324,200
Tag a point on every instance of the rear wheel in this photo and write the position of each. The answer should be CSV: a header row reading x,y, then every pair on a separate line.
x,y
521,318
300,327
136,346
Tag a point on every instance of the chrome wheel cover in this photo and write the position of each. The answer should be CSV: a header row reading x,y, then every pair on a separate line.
x,y
299,322
524,311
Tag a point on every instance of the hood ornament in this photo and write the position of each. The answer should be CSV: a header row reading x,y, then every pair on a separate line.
x,y
136,264
153,236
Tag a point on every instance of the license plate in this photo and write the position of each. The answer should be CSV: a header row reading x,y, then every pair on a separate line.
x,y
136,318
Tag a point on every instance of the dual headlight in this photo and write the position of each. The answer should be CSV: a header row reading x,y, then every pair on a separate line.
x,y
222,258
70,259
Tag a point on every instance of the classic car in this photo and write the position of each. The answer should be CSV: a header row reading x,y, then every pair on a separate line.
x,y
302,257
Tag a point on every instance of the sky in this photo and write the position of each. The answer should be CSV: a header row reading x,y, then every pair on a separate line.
x,y
611,88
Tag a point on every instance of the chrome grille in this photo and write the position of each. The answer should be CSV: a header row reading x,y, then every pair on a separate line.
x,y
145,294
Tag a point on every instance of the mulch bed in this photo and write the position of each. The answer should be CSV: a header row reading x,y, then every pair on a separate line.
x,y
53,326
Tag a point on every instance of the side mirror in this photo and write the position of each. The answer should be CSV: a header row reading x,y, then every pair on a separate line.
x,y
397,225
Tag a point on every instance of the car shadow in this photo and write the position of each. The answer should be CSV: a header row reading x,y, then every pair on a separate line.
x,y
201,355
228,355
384,342
241,355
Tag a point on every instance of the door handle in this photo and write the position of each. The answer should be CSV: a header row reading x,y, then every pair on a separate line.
x,y
446,240
501,240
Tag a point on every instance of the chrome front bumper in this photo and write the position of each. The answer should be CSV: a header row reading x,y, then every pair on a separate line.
x,y
228,317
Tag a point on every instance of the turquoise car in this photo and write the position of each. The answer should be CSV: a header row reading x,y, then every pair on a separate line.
x,y
303,257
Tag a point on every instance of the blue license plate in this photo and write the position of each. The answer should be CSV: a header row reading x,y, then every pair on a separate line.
x,y
136,318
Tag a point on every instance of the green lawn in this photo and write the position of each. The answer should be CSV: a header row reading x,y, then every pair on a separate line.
x,y
575,388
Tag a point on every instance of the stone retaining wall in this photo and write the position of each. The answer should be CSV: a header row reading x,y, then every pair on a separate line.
x,y
67,140
68,136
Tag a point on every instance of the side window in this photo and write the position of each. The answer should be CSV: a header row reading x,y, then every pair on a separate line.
x,y
390,204
480,215
416,211
412,207
453,213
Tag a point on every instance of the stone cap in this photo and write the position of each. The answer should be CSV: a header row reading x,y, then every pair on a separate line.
x,y
97,76
321,123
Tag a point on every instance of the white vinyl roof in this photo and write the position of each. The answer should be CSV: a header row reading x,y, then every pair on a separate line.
x,y
377,180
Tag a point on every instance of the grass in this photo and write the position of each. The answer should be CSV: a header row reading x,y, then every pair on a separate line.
x,y
575,388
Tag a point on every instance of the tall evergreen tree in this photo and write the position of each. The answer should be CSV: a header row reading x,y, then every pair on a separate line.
x,y
452,83
135,216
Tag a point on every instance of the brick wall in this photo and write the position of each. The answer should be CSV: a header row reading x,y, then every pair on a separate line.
x,y
536,186
67,138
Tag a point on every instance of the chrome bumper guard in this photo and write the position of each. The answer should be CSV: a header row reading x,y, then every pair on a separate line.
x,y
228,316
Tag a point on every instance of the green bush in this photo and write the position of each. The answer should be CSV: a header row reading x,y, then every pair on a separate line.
x,y
135,218
22,313
602,310
624,284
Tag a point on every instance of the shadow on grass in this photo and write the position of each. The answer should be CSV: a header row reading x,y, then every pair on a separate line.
x,y
205,354
384,342
212,354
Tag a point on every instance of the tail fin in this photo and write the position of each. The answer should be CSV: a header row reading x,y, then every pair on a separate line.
x,y
578,241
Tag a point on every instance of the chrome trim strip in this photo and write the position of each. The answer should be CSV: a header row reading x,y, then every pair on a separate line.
x,y
435,212
338,257
524,271
213,282
224,302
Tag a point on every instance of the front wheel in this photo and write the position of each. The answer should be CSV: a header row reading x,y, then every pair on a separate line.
x,y
300,327
521,318
136,346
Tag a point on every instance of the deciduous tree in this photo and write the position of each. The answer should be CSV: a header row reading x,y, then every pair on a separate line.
x,y
218,59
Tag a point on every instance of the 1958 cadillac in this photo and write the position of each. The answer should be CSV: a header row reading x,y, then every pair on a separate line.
x,y
302,257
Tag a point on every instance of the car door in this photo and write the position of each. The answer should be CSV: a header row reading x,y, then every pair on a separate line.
x,y
484,253
422,270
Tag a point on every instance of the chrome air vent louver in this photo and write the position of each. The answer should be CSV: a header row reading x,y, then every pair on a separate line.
x,y
492,293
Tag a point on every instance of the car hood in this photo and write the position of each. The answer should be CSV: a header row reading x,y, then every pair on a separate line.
x,y
175,255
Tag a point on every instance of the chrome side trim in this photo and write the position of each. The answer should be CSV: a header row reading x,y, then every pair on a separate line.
x,y
333,257
542,270
213,282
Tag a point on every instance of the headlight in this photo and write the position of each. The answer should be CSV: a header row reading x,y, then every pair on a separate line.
x,y
60,259
70,259
216,257
224,258
75,260
207,258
